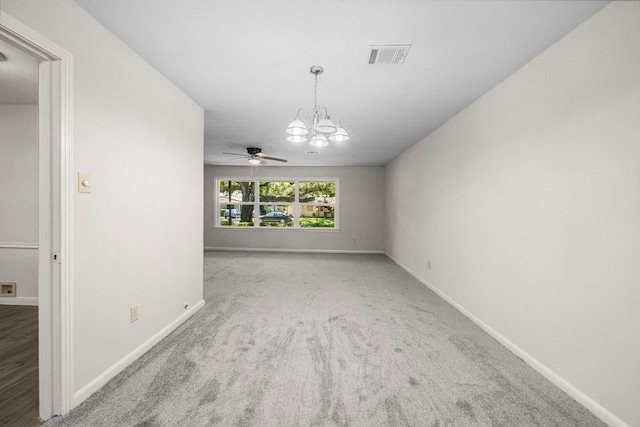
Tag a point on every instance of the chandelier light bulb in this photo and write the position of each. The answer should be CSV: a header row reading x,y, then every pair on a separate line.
x,y
297,138
319,140
339,136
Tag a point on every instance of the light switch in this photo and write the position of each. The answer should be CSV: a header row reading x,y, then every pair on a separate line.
x,y
84,183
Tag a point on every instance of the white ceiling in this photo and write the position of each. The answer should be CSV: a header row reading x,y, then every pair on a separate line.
x,y
247,63
18,76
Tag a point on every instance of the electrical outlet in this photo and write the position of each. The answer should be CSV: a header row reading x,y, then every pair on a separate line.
x,y
134,314
7,289
429,265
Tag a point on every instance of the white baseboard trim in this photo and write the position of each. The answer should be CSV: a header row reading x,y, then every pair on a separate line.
x,y
19,301
18,245
597,409
118,367
322,251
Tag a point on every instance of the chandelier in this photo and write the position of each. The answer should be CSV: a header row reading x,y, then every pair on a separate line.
x,y
320,126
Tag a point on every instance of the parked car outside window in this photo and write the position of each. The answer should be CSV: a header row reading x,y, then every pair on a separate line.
x,y
235,213
276,217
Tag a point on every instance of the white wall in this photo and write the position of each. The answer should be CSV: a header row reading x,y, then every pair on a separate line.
x,y
527,204
361,205
138,235
19,201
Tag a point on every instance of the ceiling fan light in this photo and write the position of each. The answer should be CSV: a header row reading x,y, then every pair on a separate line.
x,y
339,136
255,160
297,138
326,126
319,140
297,127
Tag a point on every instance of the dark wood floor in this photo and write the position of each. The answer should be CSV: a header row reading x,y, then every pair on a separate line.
x,y
19,366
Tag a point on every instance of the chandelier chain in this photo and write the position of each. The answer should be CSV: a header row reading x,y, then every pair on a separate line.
x,y
315,93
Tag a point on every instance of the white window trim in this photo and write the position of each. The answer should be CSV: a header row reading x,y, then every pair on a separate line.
x,y
217,205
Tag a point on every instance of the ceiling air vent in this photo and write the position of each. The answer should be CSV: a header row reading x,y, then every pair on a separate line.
x,y
388,54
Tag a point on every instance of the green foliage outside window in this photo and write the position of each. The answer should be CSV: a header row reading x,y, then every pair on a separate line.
x,y
277,192
317,192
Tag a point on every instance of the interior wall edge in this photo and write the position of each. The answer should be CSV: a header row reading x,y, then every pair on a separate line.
x,y
593,406
94,385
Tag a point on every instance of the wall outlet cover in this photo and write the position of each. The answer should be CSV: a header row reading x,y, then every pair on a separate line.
x,y
7,289
134,314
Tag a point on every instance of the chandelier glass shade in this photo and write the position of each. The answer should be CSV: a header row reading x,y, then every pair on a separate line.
x,y
319,125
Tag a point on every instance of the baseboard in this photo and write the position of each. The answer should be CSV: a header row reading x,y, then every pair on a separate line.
x,y
18,245
315,251
597,409
19,301
114,370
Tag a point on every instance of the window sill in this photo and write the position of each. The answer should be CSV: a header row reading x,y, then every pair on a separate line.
x,y
286,229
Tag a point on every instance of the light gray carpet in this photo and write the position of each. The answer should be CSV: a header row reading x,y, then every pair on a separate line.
x,y
325,340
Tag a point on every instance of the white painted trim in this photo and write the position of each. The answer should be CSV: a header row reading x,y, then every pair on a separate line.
x,y
66,234
48,282
315,251
55,283
18,245
269,229
597,409
119,366
19,301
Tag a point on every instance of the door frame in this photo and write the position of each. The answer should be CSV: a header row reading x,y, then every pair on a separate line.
x,y
55,215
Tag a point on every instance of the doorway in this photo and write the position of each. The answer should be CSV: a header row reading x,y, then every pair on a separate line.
x,y
19,154
55,203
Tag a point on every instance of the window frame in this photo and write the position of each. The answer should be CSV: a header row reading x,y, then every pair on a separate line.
x,y
218,204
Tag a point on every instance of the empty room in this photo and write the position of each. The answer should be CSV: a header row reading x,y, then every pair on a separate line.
x,y
302,213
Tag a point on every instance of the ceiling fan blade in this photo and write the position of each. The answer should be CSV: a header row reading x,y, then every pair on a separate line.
x,y
274,158
236,154
236,158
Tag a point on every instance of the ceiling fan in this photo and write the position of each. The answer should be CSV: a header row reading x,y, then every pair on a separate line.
x,y
255,156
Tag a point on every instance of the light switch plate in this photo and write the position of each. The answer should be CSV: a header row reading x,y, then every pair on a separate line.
x,y
84,183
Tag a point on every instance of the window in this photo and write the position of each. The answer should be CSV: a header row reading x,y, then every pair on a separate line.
x,y
277,203
235,203
317,203
277,200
